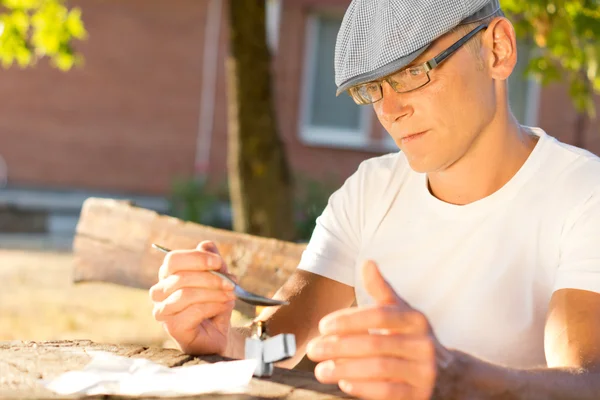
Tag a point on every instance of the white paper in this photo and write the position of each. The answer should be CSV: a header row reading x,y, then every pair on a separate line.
x,y
107,373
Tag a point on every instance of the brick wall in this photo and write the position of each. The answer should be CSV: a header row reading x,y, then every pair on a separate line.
x,y
129,120
558,118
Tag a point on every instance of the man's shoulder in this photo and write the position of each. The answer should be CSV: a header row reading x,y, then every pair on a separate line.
x,y
387,164
375,176
573,164
569,176
571,152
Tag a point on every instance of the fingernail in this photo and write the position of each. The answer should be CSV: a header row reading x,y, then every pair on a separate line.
x,y
230,295
227,285
314,349
318,350
326,325
214,262
345,386
324,370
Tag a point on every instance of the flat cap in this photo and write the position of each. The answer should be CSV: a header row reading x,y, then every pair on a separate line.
x,y
378,37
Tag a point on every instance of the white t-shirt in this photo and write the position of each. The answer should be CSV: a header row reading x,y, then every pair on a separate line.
x,y
482,273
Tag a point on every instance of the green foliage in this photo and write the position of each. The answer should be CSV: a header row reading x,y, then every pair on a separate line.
x,y
567,33
32,29
194,201
310,200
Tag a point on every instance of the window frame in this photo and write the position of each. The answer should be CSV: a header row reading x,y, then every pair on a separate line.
x,y
326,136
273,9
362,138
533,89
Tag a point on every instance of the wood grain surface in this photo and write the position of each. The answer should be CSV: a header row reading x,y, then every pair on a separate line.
x,y
23,363
113,244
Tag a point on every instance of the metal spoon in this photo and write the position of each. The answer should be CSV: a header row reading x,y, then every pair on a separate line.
x,y
240,293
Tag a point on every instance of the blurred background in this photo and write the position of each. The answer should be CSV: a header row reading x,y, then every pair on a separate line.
x,y
135,100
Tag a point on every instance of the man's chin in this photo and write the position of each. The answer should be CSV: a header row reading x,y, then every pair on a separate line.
x,y
421,165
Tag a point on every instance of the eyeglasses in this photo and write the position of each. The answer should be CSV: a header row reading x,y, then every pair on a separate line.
x,y
408,79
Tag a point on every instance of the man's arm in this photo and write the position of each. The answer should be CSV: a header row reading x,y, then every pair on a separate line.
x,y
311,297
332,251
572,345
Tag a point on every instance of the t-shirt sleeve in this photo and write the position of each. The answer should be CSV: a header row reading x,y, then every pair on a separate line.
x,y
335,242
579,266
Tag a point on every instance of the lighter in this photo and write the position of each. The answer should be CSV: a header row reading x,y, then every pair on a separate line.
x,y
268,350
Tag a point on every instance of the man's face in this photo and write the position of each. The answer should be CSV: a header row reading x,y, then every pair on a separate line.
x,y
445,116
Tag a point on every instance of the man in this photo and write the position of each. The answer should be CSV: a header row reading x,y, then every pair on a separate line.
x,y
473,254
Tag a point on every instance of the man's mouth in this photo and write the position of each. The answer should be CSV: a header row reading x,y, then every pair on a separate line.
x,y
413,136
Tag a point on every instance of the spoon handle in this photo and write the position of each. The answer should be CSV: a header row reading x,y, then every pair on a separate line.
x,y
240,293
223,276
217,273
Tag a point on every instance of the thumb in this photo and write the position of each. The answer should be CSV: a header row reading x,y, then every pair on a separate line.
x,y
211,247
376,285
208,246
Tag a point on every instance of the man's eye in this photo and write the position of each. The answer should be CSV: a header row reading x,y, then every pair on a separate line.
x,y
370,88
415,71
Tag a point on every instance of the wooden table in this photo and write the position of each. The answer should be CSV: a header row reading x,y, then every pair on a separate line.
x,y
22,363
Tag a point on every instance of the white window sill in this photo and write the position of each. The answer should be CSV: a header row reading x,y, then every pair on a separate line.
x,y
333,137
344,139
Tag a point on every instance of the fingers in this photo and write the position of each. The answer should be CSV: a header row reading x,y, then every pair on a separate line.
x,y
192,331
363,319
376,369
189,260
193,316
382,390
365,345
187,279
185,297
208,246
376,285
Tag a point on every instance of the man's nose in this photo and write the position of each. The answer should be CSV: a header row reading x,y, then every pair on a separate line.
x,y
392,106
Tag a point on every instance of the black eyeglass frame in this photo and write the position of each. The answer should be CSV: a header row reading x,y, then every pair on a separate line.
x,y
427,66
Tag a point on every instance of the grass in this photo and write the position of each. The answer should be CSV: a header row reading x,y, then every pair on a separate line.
x,y
39,301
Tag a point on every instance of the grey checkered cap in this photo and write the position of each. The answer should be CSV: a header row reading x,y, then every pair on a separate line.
x,y
378,37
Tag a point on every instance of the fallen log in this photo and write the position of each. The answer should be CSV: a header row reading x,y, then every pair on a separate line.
x,y
114,237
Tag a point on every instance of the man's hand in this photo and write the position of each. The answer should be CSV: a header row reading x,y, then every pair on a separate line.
x,y
386,351
193,305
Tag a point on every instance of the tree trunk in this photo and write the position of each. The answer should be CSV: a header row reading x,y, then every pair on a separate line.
x,y
259,176
581,120
580,129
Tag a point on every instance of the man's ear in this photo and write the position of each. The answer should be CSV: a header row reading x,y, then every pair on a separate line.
x,y
499,46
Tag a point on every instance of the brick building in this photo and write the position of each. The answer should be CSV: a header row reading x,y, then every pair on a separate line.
x,y
149,104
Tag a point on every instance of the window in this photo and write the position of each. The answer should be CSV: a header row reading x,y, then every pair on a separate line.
x,y
326,119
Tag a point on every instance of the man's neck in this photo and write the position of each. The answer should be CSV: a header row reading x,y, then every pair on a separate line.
x,y
493,159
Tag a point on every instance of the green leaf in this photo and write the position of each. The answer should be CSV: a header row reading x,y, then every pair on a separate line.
x,y
64,61
31,29
24,57
74,24
20,21
568,33
22,4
